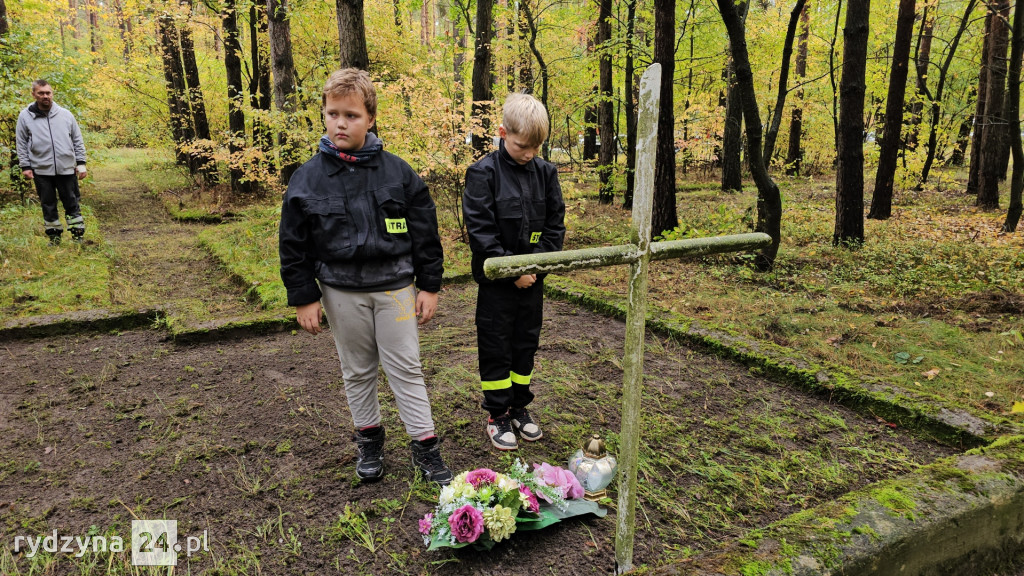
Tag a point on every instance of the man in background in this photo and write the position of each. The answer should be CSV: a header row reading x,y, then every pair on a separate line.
x,y
51,153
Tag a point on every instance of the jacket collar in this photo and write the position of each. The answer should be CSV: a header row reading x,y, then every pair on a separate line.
x,y
507,158
36,112
333,165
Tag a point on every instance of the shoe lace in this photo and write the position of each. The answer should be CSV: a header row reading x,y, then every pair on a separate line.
x,y
369,448
503,424
430,458
523,417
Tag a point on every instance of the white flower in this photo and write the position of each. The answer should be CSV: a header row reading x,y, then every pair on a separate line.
x,y
447,495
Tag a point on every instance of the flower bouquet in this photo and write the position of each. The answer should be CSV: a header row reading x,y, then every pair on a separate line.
x,y
482,507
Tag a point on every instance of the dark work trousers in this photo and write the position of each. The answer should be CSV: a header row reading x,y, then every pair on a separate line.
x,y
66,187
508,323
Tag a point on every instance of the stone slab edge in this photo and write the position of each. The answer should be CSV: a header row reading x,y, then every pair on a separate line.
x,y
952,423
100,320
960,515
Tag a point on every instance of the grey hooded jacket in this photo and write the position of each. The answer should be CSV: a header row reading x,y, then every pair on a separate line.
x,y
49,143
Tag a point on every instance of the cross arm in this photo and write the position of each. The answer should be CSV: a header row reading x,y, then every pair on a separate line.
x,y
568,260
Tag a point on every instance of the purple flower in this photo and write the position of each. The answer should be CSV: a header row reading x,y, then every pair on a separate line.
x,y
467,524
425,523
559,478
532,504
481,475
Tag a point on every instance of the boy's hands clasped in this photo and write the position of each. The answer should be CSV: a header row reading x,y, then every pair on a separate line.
x,y
526,280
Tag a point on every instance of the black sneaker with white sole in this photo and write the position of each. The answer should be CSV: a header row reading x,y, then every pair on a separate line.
x,y
499,430
524,424
426,455
369,453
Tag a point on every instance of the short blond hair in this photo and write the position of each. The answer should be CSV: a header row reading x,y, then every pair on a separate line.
x,y
524,115
351,81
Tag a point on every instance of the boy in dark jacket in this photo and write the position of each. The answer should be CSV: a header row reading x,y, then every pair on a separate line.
x,y
358,226
512,205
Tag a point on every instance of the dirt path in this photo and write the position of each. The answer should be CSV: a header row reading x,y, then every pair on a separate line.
x,y
157,261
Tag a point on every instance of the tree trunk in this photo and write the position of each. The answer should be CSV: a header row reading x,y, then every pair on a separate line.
x,y
979,109
664,213
936,99
881,199
922,60
732,134
203,160
459,62
396,9
794,155
832,76
1013,113
963,139
590,129
994,132
352,34
177,101
482,80
279,27
632,92
542,65
525,57
124,26
769,200
5,28
605,109
849,227
94,31
236,116
259,83
780,98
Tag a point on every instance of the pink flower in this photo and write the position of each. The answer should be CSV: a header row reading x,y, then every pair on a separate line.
x,y
481,475
559,478
467,524
425,523
532,504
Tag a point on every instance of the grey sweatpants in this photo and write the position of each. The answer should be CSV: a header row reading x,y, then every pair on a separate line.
x,y
379,327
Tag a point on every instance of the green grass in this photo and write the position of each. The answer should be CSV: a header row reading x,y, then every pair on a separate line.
x,y
36,278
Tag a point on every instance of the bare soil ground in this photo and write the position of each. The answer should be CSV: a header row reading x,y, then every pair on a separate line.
x,y
248,438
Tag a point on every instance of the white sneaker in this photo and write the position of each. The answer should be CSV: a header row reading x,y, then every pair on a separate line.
x,y
499,430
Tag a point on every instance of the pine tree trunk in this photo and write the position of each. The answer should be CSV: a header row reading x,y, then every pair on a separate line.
x,y
664,213
203,160
259,82
849,228
5,27
980,120
352,34
236,115
881,199
994,132
794,155
732,135
177,103
283,65
482,76
922,59
94,31
769,200
780,98
1013,113
632,91
605,109
936,99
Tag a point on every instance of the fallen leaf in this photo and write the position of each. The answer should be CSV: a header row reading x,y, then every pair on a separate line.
x,y
931,374
1018,408
990,394
48,450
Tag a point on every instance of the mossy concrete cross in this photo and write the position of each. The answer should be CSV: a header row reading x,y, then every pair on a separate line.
x,y
638,253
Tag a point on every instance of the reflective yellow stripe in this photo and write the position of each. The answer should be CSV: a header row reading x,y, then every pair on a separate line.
x,y
534,237
497,384
396,225
520,379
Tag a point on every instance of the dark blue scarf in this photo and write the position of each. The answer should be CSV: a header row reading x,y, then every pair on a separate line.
x,y
369,149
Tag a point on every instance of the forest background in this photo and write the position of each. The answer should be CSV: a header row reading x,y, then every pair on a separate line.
x,y
924,293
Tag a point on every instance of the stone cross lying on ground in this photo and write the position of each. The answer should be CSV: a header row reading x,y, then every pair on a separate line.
x,y
637,254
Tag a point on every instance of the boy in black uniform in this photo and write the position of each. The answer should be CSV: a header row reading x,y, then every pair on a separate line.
x,y
357,227
512,205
